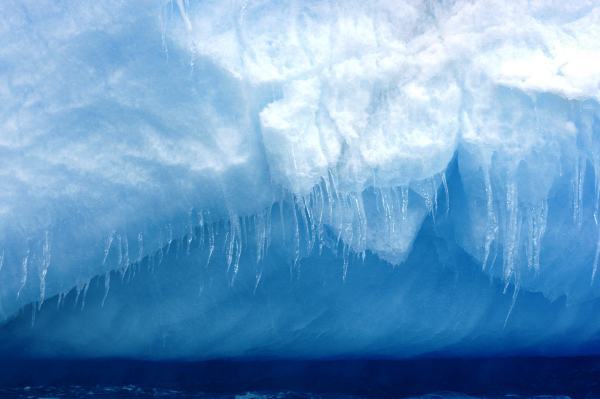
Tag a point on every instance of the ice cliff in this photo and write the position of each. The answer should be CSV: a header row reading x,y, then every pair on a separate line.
x,y
240,136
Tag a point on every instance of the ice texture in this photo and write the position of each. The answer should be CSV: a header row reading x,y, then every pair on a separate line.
x,y
281,130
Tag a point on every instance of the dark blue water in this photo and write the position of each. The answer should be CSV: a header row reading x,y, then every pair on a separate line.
x,y
433,378
132,391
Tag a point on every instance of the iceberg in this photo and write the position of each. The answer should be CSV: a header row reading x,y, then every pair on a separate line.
x,y
208,179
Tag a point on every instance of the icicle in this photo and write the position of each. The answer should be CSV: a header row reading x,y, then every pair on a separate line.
x,y
258,237
126,260
329,198
492,221
597,221
394,208
107,246
345,260
119,251
106,288
230,243
160,257
320,221
596,259
388,222
170,239
1,260
404,191
190,235
334,187
388,211
434,190
377,192
537,228
201,238
61,298
597,192
78,289
312,228
446,192
184,16
233,250
359,213
301,209
178,244
428,200
308,225
578,181
261,235
86,286
24,273
268,230
296,235
513,301
44,268
258,278
265,233
243,231
236,260
512,230
321,202
160,249
140,240
211,242
397,191
282,220
340,221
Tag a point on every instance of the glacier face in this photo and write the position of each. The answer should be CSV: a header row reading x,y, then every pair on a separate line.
x,y
303,134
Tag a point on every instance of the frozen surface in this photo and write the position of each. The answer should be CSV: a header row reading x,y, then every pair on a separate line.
x,y
239,134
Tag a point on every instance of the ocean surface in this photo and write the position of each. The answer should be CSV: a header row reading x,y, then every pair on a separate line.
x,y
132,391
527,377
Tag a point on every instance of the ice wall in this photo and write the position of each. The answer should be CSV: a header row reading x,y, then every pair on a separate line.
x,y
200,298
125,126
